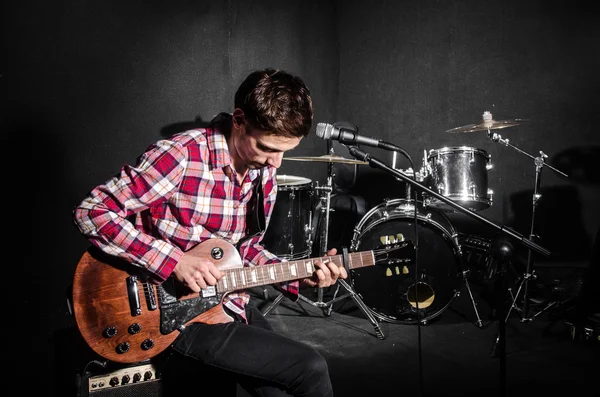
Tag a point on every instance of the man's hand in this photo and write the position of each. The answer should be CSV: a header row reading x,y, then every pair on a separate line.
x,y
196,273
326,274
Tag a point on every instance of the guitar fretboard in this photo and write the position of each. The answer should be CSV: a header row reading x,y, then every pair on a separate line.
x,y
249,277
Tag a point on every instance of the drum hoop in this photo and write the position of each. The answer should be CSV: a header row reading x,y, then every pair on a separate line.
x,y
451,234
452,149
389,203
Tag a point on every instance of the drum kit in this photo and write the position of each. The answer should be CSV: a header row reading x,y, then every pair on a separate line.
x,y
396,291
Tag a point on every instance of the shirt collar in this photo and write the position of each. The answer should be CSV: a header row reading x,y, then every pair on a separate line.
x,y
216,138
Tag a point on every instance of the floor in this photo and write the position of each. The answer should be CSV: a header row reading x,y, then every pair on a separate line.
x,y
456,353
452,355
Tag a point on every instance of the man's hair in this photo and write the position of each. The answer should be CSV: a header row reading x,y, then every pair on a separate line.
x,y
276,101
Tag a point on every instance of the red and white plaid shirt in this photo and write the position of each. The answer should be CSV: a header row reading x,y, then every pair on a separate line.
x,y
182,190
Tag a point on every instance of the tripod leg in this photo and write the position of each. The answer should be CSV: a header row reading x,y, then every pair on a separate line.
x,y
364,308
479,323
330,308
273,304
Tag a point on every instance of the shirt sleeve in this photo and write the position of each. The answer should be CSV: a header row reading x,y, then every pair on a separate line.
x,y
252,250
102,215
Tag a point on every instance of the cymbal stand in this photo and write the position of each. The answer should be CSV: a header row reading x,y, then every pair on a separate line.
x,y
324,233
529,271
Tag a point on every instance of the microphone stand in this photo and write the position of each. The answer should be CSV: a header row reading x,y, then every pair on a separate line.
x,y
375,163
529,272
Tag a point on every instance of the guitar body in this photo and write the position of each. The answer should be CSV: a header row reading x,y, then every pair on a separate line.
x,y
125,329
126,319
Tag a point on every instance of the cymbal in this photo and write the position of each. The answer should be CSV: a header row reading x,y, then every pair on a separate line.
x,y
326,159
487,125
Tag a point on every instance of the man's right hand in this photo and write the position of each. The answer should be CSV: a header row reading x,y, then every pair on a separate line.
x,y
196,273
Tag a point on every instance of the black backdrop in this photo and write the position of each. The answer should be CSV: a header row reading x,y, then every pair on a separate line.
x,y
87,85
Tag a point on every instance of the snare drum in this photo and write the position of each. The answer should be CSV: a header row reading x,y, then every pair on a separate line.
x,y
461,175
289,232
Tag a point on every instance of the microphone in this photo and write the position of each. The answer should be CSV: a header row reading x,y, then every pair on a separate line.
x,y
350,137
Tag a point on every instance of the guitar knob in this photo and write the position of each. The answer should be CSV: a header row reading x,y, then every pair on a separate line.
x,y
147,344
109,332
122,348
134,328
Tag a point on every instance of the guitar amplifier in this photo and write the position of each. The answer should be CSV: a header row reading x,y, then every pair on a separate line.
x,y
141,380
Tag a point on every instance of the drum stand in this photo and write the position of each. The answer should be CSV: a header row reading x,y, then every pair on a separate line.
x,y
350,293
529,272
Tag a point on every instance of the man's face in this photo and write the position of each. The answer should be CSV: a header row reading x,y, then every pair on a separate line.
x,y
258,148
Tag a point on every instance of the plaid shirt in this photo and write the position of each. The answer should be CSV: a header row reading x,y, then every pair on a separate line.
x,y
183,191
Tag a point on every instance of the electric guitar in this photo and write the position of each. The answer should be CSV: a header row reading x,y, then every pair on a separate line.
x,y
126,319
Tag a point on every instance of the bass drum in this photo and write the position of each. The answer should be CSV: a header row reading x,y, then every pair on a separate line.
x,y
419,286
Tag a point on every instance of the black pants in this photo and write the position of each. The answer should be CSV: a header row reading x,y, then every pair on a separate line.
x,y
252,355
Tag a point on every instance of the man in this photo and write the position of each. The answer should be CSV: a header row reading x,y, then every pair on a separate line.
x,y
198,185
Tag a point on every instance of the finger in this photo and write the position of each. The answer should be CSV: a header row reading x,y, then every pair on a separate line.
x,y
334,270
201,283
191,284
205,275
324,267
332,252
321,276
310,282
343,273
208,278
216,273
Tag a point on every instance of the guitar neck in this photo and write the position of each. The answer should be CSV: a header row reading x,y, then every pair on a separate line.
x,y
248,277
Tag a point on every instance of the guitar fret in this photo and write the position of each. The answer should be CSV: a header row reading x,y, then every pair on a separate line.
x,y
225,286
309,267
288,270
272,272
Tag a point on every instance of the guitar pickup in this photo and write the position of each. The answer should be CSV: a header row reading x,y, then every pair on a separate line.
x,y
133,296
150,297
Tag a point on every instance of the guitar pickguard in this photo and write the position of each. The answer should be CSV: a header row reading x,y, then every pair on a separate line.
x,y
175,313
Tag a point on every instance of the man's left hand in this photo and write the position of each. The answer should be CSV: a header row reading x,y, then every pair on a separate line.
x,y
327,273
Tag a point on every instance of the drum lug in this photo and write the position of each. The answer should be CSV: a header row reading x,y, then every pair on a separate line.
x,y
489,164
441,189
473,189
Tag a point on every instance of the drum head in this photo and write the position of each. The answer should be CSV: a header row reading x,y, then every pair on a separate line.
x,y
416,286
290,181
